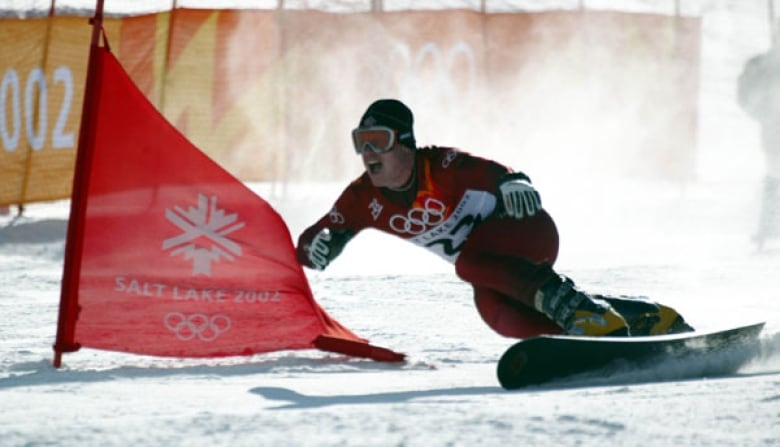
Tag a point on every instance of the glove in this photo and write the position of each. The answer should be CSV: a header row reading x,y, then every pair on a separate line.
x,y
318,250
520,198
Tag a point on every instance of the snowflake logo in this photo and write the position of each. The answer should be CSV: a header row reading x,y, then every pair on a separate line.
x,y
203,239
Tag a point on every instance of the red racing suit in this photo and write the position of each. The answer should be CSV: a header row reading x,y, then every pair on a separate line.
x,y
454,209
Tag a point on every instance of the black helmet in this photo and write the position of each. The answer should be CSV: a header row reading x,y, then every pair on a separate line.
x,y
393,114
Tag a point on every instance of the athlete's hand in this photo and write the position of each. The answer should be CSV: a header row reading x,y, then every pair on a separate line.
x,y
319,249
520,198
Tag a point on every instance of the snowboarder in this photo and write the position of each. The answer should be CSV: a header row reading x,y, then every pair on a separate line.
x,y
481,216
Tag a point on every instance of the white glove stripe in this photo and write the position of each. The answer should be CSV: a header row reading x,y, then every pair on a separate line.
x,y
530,203
519,204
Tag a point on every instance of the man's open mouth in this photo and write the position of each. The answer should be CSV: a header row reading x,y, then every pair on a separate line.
x,y
374,167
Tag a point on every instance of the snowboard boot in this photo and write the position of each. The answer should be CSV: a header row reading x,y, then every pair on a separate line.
x,y
577,312
645,317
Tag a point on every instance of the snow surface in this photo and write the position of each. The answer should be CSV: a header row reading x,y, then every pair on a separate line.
x,y
690,249
686,245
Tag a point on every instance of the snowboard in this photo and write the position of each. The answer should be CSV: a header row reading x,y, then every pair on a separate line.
x,y
544,358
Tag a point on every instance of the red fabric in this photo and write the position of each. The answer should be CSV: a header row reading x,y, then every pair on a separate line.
x,y
506,260
510,256
179,257
357,349
454,191
509,318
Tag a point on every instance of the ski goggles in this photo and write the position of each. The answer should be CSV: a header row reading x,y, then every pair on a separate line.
x,y
377,138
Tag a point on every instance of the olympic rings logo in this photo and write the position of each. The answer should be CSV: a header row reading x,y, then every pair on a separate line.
x,y
418,220
187,327
447,72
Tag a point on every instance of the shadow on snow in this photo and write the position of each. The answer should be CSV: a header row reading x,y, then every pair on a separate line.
x,y
300,401
42,373
21,230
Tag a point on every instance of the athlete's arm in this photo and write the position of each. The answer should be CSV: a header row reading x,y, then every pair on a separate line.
x,y
513,190
319,245
322,242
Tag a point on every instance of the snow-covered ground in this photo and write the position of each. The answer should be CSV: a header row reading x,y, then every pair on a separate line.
x,y
691,249
686,245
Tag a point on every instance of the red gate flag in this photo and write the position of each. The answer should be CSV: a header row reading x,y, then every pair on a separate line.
x,y
176,256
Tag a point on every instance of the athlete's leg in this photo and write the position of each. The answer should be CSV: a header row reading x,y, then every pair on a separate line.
x,y
510,318
512,257
506,261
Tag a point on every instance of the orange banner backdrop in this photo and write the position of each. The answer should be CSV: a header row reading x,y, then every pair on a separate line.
x,y
272,95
